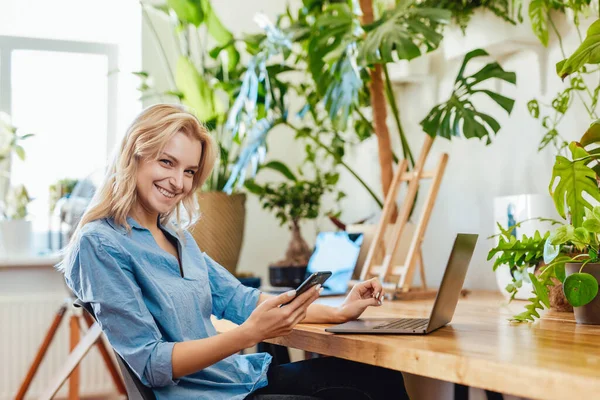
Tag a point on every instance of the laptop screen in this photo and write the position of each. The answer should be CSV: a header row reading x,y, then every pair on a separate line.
x,y
336,252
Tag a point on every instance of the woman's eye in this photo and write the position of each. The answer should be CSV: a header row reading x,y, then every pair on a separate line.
x,y
166,162
190,172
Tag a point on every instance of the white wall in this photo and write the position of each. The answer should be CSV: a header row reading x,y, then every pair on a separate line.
x,y
474,176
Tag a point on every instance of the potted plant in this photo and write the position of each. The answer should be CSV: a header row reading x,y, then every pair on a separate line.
x,y
15,231
571,251
293,201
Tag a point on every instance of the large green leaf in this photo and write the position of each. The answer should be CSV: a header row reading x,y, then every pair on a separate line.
x,y
574,179
540,290
587,53
281,168
221,34
404,32
538,14
196,92
331,33
459,114
343,90
592,135
580,289
188,11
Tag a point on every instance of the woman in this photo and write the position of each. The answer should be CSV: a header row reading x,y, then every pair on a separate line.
x,y
153,290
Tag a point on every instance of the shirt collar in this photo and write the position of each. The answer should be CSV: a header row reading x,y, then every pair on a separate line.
x,y
136,225
121,229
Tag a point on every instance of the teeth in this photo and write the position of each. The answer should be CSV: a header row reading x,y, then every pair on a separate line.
x,y
165,193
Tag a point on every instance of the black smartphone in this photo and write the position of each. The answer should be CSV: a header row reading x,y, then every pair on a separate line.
x,y
316,278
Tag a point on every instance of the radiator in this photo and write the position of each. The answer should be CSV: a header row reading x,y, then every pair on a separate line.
x,y
24,321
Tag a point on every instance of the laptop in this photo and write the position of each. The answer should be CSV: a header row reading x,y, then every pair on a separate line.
x,y
336,252
445,301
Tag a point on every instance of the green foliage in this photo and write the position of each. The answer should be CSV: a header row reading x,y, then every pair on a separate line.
x,y
294,200
196,91
587,53
580,289
459,114
518,255
10,140
402,33
462,11
559,106
17,200
574,179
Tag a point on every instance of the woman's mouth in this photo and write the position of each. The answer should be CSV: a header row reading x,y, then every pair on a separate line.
x,y
165,192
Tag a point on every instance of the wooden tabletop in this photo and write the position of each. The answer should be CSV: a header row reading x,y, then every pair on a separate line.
x,y
553,358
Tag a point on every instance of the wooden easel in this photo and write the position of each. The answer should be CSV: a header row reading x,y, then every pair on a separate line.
x,y
398,278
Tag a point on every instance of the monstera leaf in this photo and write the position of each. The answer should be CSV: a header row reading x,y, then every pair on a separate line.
x,y
403,31
196,91
459,114
587,53
574,179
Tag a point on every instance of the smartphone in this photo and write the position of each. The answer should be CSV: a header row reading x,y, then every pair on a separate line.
x,y
315,278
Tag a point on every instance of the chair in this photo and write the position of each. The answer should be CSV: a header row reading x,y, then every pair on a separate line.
x,y
136,390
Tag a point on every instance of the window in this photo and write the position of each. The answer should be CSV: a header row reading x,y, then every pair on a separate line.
x,y
58,91
67,78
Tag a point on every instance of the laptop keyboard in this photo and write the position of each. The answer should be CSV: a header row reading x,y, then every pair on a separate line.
x,y
405,323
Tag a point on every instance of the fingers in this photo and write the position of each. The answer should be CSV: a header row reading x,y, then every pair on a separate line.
x,y
371,288
306,298
283,298
301,309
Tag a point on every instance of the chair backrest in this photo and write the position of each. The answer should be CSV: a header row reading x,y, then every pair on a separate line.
x,y
136,390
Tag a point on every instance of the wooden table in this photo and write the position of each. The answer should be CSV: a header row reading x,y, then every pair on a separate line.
x,y
553,358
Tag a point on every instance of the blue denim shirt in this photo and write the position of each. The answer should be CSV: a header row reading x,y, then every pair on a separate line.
x,y
145,306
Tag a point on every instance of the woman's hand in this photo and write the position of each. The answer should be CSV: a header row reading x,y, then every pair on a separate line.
x,y
269,320
363,295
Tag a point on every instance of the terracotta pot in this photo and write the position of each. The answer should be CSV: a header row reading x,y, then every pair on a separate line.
x,y
220,230
556,295
590,313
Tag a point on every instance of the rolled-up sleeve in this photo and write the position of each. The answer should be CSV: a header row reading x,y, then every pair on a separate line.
x,y
231,300
100,275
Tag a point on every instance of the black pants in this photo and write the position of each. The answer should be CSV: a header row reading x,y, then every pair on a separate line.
x,y
330,378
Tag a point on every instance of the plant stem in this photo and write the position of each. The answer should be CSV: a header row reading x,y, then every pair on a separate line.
x,y
162,49
324,147
392,100
590,112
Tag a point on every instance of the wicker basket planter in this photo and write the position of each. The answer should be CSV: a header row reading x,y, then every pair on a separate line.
x,y
220,230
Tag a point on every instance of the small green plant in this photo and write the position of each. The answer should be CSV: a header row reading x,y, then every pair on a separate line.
x,y
10,140
295,200
17,200
519,255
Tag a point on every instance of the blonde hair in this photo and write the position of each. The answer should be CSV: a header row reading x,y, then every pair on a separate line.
x,y
145,140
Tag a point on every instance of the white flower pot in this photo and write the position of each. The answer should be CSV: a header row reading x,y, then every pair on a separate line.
x,y
16,237
516,209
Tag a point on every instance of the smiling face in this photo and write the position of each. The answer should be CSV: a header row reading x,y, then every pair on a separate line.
x,y
164,182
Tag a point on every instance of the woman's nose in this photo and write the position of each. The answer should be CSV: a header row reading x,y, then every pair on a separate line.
x,y
176,180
